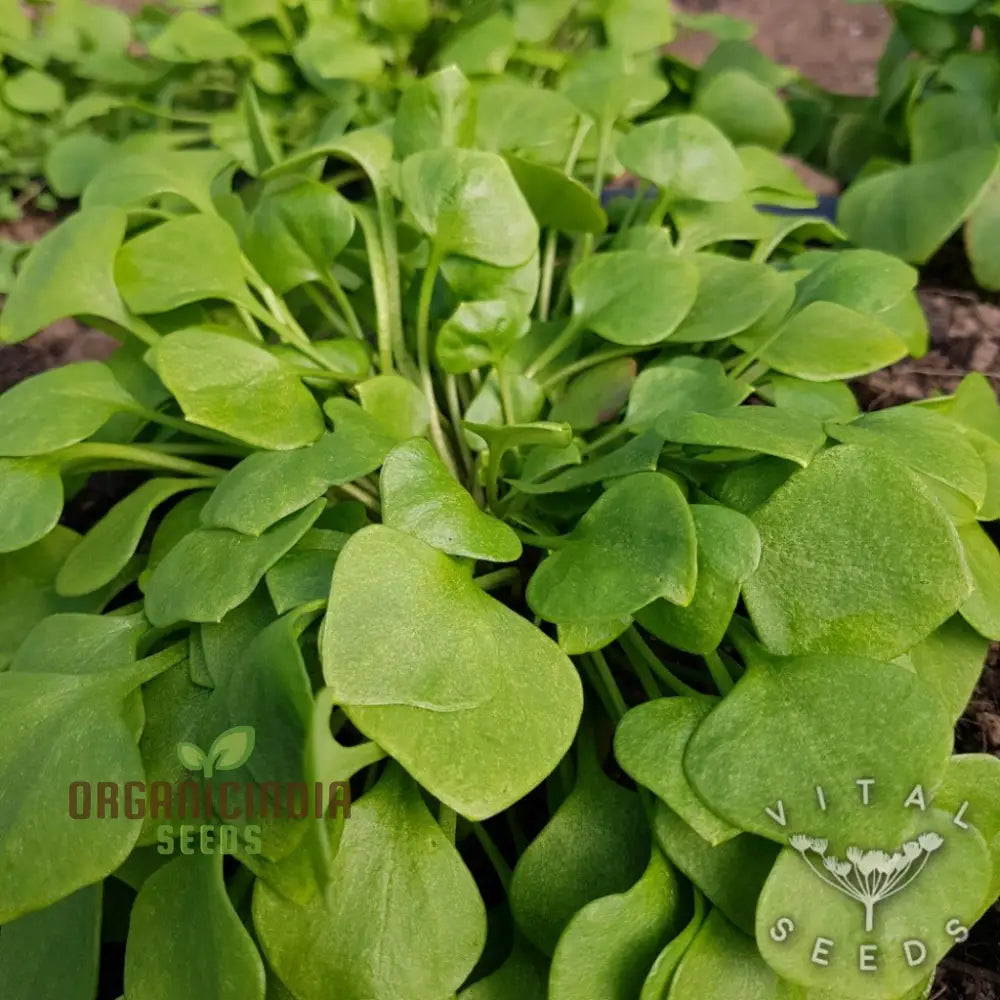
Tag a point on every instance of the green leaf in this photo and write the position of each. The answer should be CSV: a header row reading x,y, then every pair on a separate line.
x,y
156,272
62,713
296,230
731,874
982,236
924,441
134,179
188,896
34,92
633,298
75,643
597,396
732,296
481,49
52,954
950,660
945,123
679,385
195,37
238,388
557,201
468,203
31,500
637,543
438,110
685,156
729,550
106,549
745,758
982,609
212,570
610,944
328,54
649,744
821,400
662,970
268,486
609,84
396,405
76,399
638,25
515,117
405,17
746,110
68,272
596,844
479,334
420,497
522,976
72,162
762,429
437,688
911,211
721,958
427,916
640,455
834,576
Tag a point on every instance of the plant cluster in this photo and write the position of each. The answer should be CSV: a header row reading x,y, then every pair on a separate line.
x,y
922,157
555,530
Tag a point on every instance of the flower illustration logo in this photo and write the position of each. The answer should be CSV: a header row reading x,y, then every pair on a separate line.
x,y
868,876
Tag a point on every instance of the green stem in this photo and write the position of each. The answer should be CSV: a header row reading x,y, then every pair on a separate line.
x,y
583,364
661,207
721,677
179,424
137,457
356,493
337,322
344,303
389,326
548,274
597,684
610,685
494,856
608,437
646,679
633,642
490,581
387,228
638,200
173,448
455,415
540,541
506,398
557,345
424,360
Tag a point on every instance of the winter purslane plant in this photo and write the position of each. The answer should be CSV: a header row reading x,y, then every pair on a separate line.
x,y
922,157
441,483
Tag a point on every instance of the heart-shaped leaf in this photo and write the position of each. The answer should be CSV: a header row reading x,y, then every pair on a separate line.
x,y
437,690
818,544
439,110
189,896
212,570
633,298
156,272
637,543
77,399
68,272
609,945
684,155
236,387
649,744
31,500
420,497
729,551
267,486
428,918
469,204
597,396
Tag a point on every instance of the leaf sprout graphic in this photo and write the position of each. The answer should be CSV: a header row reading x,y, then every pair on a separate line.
x,y
868,876
230,750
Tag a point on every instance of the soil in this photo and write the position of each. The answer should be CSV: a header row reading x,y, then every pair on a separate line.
x,y
837,44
